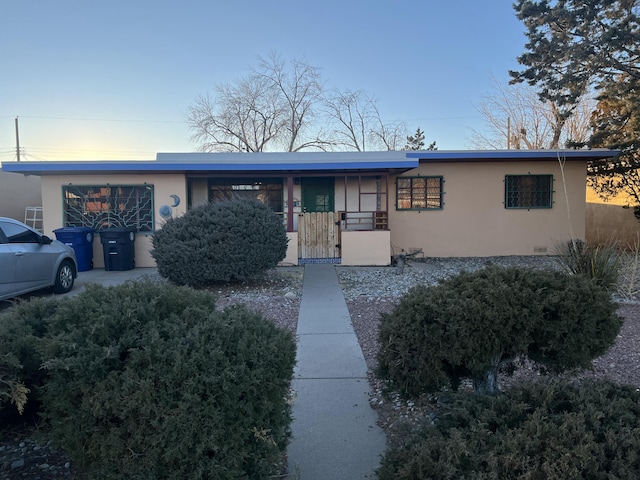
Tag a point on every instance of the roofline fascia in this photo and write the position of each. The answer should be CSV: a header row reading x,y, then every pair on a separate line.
x,y
512,155
90,167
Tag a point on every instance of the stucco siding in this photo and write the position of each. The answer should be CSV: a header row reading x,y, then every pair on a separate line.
x,y
474,220
17,192
366,248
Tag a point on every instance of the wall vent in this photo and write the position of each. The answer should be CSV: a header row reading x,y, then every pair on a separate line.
x,y
539,249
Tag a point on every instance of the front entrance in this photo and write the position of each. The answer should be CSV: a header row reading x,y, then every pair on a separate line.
x,y
318,225
318,194
319,237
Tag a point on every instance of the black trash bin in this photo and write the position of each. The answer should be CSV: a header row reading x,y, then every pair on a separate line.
x,y
118,246
81,240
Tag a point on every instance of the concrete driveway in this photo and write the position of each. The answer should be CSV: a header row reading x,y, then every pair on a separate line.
x,y
109,278
96,275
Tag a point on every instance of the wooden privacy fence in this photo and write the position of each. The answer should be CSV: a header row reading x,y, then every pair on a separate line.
x,y
319,235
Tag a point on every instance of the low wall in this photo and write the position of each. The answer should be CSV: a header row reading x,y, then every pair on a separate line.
x,y
366,248
292,250
605,222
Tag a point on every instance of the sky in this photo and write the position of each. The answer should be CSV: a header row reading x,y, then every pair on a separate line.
x,y
114,79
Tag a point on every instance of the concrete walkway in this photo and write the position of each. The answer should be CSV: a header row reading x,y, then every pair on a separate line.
x,y
335,435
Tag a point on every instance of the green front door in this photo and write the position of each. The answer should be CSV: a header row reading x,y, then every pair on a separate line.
x,y
318,194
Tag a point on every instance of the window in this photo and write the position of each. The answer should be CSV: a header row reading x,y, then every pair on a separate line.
x,y
528,191
18,234
419,193
266,190
100,207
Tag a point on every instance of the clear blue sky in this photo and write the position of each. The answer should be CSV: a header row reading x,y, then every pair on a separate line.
x,y
113,79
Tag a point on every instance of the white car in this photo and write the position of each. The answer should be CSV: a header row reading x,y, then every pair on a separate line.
x,y
31,261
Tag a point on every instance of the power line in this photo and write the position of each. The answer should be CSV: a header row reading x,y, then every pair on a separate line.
x,y
132,120
86,119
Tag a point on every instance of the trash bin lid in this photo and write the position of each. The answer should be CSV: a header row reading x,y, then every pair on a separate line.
x,y
74,230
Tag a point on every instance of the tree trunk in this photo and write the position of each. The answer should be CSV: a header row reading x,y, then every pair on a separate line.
x,y
487,384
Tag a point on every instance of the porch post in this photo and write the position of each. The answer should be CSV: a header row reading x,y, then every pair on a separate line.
x,y
386,179
290,203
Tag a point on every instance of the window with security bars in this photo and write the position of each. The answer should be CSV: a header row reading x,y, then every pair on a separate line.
x,y
265,190
528,191
419,193
109,206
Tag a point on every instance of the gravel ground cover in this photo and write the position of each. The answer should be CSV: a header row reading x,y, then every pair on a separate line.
x,y
369,291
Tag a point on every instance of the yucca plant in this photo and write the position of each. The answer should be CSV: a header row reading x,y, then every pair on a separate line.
x,y
599,263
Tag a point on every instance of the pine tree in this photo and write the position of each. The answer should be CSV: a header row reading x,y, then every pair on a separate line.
x,y
416,142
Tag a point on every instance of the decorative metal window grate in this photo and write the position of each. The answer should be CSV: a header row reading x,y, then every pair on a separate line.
x,y
419,193
528,191
100,207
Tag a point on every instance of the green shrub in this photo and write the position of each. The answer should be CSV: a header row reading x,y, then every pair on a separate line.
x,y
147,380
22,326
578,322
220,242
598,262
540,431
471,324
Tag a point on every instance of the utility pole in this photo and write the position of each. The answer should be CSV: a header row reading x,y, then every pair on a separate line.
x,y
508,133
17,140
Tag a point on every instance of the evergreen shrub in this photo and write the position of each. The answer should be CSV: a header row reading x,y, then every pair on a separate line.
x,y
22,326
538,431
220,242
470,325
148,380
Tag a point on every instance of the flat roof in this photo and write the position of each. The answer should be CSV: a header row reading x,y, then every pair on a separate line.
x,y
512,155
290,162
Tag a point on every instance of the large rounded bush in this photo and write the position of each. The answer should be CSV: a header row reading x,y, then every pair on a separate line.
x,y
540,431
148,380
471,324
220,242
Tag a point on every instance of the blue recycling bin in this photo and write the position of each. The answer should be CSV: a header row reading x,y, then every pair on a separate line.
x,y
118,248
81,240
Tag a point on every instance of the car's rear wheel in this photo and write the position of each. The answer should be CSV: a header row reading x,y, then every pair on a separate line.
x,y
64,277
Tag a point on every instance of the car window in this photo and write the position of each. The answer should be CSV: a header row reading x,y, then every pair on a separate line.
x,y
18,234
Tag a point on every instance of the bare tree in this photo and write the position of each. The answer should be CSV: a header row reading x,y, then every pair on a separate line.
x,y
271,109
517,119
242,117
357,125
281,106
387,136
300,90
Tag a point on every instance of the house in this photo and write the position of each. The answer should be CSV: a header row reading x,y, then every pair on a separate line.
x,y
20,196
354,208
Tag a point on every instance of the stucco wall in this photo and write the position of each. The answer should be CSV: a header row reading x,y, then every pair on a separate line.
x,y
17,192
292,250
366,248
474,221
163,186
607,222
612,220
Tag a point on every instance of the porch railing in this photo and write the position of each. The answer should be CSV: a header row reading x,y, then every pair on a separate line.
x,y
365,221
